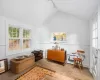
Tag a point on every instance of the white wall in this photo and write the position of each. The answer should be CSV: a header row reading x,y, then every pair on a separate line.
x,y
3,37
77,33
40,13
91,62
33,12
0,7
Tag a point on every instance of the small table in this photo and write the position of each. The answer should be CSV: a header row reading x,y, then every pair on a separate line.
x,y
78,63
38,54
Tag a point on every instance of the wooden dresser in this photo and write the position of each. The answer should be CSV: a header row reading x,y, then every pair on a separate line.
x,y
56,55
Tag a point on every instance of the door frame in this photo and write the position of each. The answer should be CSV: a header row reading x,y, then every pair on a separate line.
x,y
95,17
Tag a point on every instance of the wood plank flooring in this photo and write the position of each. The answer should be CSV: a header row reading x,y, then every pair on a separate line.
x,y
68,71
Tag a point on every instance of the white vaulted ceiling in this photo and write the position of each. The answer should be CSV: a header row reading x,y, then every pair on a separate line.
x,y
33,12
37,11
80,8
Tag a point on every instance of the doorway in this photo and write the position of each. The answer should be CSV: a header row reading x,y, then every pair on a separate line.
x,y
94,55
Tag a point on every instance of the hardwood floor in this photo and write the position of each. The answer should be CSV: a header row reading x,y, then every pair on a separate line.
x,y
67,71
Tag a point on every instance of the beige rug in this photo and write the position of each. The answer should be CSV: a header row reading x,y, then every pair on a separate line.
x,y
39,73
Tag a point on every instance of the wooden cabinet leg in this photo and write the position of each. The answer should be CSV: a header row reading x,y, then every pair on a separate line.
x,y
64,64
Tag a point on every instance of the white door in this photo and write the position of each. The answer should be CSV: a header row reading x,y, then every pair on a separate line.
x,y
95,64
95,47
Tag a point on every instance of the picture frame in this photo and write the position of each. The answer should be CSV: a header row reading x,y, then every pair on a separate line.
x,y
59,36
3,65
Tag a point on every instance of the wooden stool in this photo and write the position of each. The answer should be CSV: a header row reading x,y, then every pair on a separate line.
x,y
78,63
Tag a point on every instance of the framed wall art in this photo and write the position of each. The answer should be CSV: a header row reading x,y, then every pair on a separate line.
x,y
59,36
3,65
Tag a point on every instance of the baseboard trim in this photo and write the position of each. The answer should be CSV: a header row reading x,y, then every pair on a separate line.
x,y
86,66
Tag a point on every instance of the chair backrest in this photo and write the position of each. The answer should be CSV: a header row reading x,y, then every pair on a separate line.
x,y
80,51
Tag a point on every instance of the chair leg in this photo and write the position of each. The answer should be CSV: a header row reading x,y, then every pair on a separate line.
x,y
74,63
64,64
80,66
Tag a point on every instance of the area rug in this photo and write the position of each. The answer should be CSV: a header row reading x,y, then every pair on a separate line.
x,y
39,73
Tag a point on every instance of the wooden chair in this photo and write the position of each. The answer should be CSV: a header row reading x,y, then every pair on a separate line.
x,y
78,63
78,60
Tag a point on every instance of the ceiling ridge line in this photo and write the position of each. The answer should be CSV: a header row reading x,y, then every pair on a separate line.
x,y
53,3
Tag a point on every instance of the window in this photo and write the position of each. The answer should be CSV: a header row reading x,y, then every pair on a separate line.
x,y
14,38
26,38
19,38
95,34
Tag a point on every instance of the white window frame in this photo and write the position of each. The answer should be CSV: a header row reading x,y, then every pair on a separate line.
x,y
21,40
13,37
95,33
30,38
